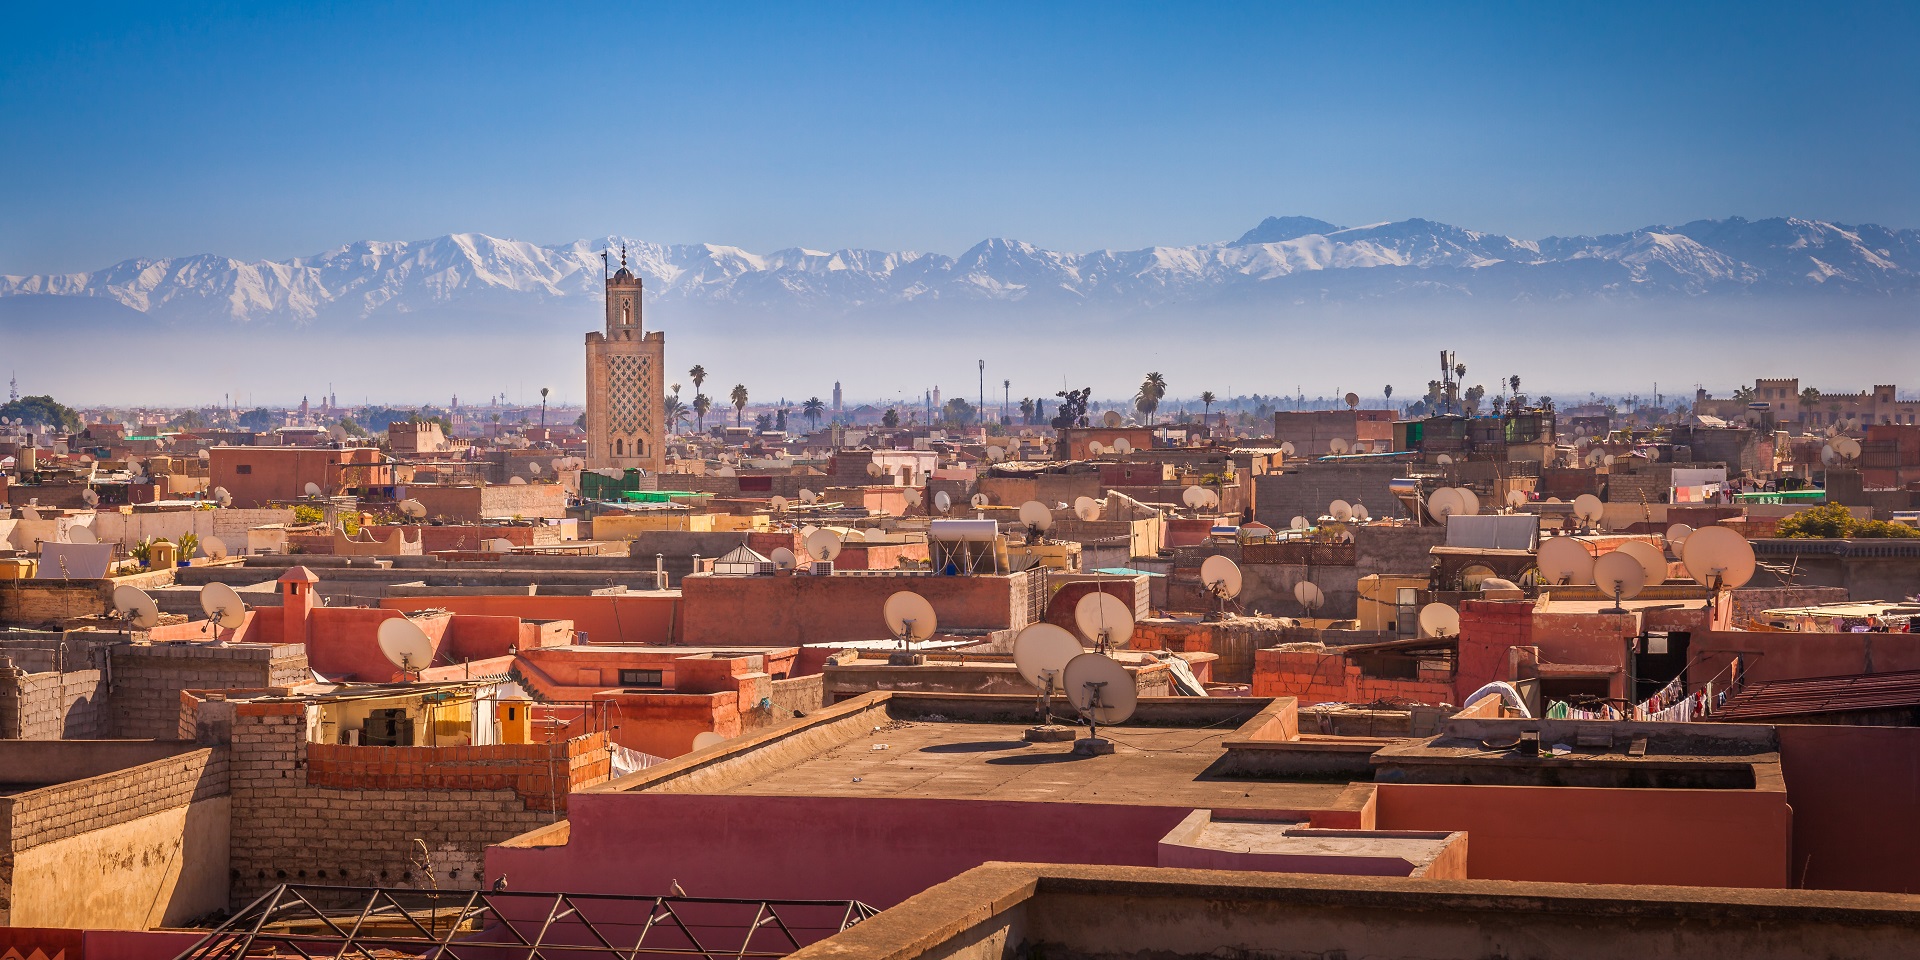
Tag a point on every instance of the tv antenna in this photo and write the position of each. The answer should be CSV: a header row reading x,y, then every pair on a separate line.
x,y
1038,518
911,620
1041,653
1564,561
1122,446
1102,691
1086,508
1589,509
783,558
1652,559
1718,558
223,607
823,545
1104,619
1309,595
312,489
213,547
135,609
1222,578
1439,620
942,501
405,645
1620,577
1677,538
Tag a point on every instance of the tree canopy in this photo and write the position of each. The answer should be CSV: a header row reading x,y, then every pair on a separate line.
x,y
42,411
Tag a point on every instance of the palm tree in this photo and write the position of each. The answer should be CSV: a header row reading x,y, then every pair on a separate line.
x,y
814,408
701,404
1207,400
675,410
543,408
1151,390
698,375
1026,410
1808,398
1389,396
739,398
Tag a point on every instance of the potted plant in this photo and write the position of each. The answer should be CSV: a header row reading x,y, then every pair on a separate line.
x,y
189,544
143,551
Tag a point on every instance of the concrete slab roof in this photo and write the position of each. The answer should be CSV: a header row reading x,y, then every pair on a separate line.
x,y
969,747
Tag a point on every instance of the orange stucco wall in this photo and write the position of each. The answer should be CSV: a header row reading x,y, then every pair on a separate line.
x,y
636,620
1716,838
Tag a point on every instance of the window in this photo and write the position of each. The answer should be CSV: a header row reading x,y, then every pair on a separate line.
x,y
243,468
619,448
640,678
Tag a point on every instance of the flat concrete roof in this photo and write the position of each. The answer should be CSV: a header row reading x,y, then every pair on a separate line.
x,y
969,747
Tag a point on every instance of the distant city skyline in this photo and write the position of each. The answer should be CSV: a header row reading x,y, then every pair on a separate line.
x,y
264,134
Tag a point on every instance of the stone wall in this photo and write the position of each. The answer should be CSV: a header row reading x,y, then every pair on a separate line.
x,y
67,811
148,679
51,705
324,813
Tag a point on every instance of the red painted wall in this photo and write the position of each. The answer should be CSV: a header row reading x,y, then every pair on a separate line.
x,y
1854,792
801,609
638,620
1715,838
1789,656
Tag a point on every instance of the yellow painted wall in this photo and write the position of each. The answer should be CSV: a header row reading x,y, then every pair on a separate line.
x,y
159,870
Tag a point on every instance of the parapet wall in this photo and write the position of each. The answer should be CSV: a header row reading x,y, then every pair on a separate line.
x,y
149,678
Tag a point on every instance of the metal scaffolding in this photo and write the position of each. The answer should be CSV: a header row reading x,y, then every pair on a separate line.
x,y
375,923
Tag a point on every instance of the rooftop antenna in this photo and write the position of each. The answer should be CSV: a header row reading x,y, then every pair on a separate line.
x,y
1564,561
1103,692
1589,509
1222,578
1038,518
823,545
911,619
1086,508
1619,576
1041,653
405,645
1439,620
783,558
1718,558
1309,595
413,509
223,607
135,609
1104,619
1652,559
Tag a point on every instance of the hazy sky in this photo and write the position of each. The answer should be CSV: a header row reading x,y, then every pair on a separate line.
x,y
158,130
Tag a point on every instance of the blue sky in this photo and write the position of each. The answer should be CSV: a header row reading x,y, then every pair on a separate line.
x,y
157,130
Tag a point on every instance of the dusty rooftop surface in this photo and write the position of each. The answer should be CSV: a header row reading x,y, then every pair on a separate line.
x,y
988,761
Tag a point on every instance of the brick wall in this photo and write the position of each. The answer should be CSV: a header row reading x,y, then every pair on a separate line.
x,y
51,705
1315,675
33,817
326,813
148,679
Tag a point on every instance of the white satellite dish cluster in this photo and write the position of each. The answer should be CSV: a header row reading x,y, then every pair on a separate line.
x,y
1200,498
1715,557
1840,449
1452,502
1099,688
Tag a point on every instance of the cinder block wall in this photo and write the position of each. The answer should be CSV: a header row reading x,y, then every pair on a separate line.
x,y
355,820
51,705
147,679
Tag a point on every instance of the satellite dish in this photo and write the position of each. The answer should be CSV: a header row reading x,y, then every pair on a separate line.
x,y
1469,501
134,606
942,501
1589,508
1086,508
705,739
221,496
1103,613
1620,576
1286,449
778,503
1828,454
1443,460
313,489
80,534
223,606
823,545
1718,557
1445,502
980,500
1035,514
1195,497
499,545
1497,583
1439,620
214,547
1298,523
533,468
1337,446
1677,537
92,498
910,617
1221,577
1213,499
1122,445
1516,498
1847,447
404,644
1652,559
1353,400
1565,560
726,472
914,496
783,559
808,496
413,508
1340,510
1100,689
874,469
516,481
1360,513
1607,460
1111,419
996,454
558,464
1041,653
1096,448
1309,595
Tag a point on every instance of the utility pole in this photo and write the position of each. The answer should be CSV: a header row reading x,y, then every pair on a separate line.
x,y
983,394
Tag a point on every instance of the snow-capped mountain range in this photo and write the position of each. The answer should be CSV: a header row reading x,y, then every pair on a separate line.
x,y
1282,260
